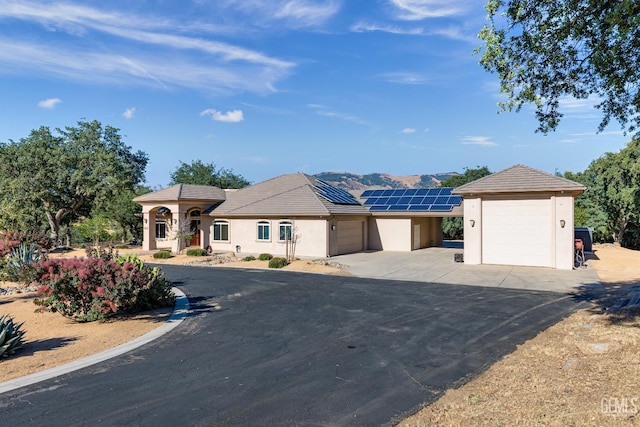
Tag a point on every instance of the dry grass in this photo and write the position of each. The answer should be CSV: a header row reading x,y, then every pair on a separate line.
x,y
582,371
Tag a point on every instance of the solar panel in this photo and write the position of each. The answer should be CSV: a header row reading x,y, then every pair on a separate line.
x,y
412,199
429,200
398,207
378,208
335,195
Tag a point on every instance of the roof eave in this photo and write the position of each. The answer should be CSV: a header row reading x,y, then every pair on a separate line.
x,y
573,190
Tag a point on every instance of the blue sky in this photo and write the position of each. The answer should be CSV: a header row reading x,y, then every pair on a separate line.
x,y
267,87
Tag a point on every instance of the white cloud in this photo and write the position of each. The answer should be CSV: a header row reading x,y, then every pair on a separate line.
x,y
484,141
322,111
292,13
450,32
49,103
415,10
408,130
233,116
363,27
406,78
129,113
198,62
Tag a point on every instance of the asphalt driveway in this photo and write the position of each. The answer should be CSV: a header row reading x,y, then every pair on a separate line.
x,y
265,347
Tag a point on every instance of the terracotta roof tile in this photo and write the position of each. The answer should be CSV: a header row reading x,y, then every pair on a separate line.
x,y
285,195
183,192
519,179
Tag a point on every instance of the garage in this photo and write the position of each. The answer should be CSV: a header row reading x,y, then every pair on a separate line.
x,y
520,216
350,237
517,232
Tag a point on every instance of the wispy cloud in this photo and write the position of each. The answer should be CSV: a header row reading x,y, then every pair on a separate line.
x,y
233,116
415,10
49,103
198,62
484,141
408,130
323,111
129,113
450,32
365,27
405,78
291,13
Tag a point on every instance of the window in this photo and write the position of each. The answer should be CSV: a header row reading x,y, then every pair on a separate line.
x,y
221,231
263,230
161,230
195,213
285,231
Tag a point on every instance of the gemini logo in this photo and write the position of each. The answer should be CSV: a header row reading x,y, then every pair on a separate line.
x,y
619,405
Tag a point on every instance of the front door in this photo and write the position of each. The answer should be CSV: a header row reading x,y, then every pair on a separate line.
x,y
195,230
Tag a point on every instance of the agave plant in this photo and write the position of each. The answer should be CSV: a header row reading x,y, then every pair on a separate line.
x,y
10,336
21,261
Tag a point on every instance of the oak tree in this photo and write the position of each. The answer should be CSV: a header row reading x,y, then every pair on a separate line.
x,y
67,172
544,51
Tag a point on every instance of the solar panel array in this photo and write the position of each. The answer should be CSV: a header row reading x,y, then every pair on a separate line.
x,y
411,199
335,195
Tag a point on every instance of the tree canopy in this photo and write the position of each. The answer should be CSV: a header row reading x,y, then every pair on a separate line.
x,y
65,173
611,203
546,50
200,173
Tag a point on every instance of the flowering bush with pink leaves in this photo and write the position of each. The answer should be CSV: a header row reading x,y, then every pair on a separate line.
x,y
93,288
10,240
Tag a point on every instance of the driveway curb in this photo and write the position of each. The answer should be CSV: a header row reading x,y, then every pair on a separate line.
x,y
179,314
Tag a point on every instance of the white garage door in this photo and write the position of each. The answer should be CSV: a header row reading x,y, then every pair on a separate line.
x,y
350,237
516,232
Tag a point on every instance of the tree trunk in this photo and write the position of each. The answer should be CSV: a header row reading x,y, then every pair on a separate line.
x,y
55,227
623,229
68,236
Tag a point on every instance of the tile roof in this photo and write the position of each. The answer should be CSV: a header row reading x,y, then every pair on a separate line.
x,y
285,195
519,179
181,192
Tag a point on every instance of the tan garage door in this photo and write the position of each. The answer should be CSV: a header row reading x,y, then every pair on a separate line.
x,y
517,232
350,237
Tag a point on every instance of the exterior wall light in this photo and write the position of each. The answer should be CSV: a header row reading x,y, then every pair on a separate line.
x,y
562,223
472,222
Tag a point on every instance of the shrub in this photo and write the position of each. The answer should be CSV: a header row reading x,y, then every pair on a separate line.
x,y
92,288
162,255
278,262
20,263
249,258
197,252
265,257
10,336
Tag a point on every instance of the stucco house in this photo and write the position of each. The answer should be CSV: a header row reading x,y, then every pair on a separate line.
x,y
265,217
519,216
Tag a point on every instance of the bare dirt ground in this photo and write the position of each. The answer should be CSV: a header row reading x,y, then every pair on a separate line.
x,y
580,372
